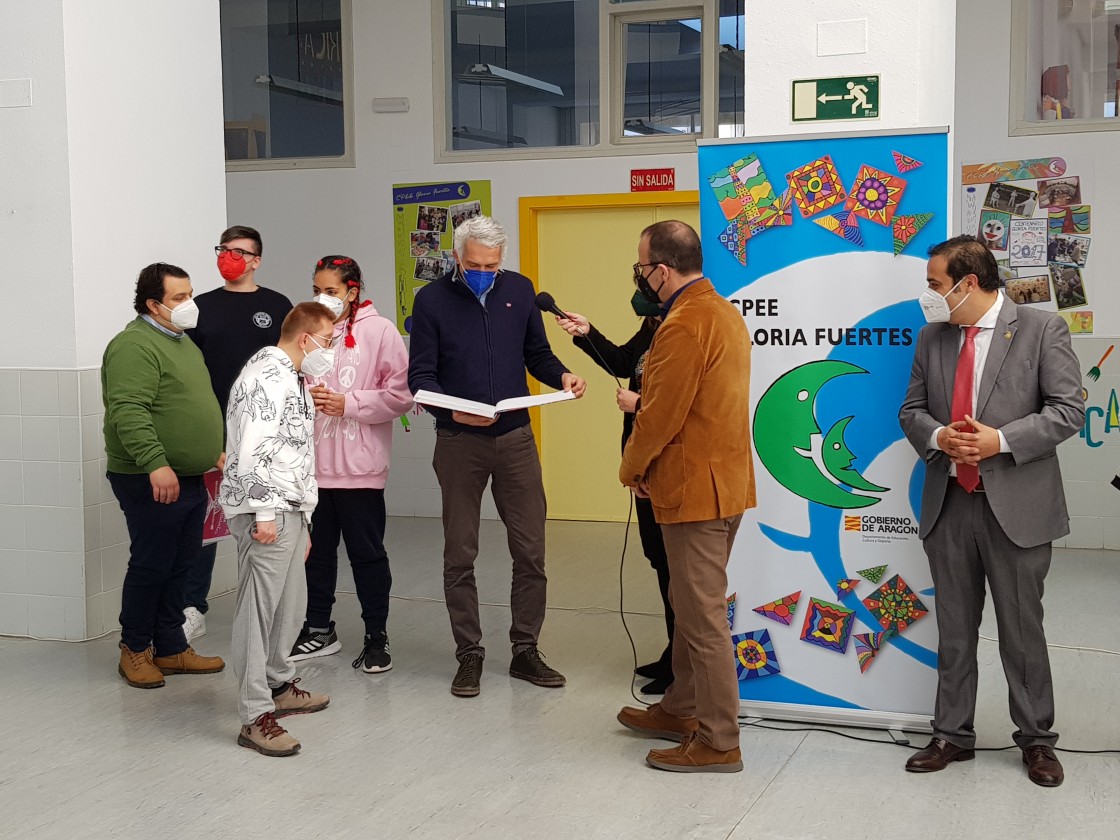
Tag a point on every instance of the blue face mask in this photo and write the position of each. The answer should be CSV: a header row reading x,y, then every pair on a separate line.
x,y
479,281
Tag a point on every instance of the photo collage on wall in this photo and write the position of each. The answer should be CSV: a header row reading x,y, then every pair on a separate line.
x,y
1033,216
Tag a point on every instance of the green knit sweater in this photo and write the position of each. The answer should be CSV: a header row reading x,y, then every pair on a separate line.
x,y
160,408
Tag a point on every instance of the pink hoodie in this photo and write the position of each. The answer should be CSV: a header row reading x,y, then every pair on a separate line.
x,y
352,451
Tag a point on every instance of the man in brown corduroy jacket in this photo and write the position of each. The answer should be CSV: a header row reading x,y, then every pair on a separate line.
x,y
690,453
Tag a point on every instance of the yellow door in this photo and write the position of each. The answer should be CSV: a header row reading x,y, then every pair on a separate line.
x,y
583,256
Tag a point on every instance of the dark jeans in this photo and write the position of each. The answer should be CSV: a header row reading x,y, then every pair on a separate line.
x,y
357,516
198,579
653,546
165,544
464,462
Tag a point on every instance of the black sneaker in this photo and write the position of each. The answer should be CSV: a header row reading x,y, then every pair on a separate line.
x,y
529,665
467,677
374,657
309,645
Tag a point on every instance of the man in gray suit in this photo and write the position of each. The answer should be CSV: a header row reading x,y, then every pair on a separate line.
x,y
995,387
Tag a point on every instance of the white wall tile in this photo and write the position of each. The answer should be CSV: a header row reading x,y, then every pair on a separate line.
x,y
224,578
111,608
93,571
40,438
93,440
38,392
69,439
56,573
91,483
41,483
11,438
9,392
106,488
54,528
11,482
114,563
95,619
46,617
70,484
68,403
91,518
1085,532
13,571
113,528
12,530
400,502
13,615
89,388
427,502
75,619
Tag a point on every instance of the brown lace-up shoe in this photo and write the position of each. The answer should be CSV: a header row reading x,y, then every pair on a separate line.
x,y
138,669
657,723
938,755
694,756
189,662
296,701
1043,766
268,737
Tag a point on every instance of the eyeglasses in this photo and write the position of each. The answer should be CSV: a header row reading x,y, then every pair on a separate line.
x,y
245,255
330,341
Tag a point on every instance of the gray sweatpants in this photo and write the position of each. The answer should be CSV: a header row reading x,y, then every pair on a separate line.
x,y
271,602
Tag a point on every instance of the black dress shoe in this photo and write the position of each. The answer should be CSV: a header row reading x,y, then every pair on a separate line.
x,y
1043,766
937,756
650,671
658,686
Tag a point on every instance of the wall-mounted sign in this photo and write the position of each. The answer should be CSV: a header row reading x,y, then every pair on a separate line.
x,y
839,98
651,180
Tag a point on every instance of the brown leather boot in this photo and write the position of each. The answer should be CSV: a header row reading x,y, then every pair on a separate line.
x,y
189,662
296,701
268,737
138,669
657,723
694,756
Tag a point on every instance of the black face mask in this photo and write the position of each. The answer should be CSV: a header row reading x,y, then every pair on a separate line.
x,y
645,289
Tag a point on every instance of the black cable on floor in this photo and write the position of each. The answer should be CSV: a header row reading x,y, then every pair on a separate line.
x,y
621,606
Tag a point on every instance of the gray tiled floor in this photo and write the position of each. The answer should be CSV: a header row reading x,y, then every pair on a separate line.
x,y
397,756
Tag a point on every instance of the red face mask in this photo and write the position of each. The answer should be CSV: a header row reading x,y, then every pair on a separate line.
x,y
230,265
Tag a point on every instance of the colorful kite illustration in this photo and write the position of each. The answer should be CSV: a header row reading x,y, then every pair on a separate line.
x,y
846,586
874,574
781,610
905,228
895,605
1075,219
734,239
875,195
754,655
784,216
843,225
868,646
754,189
723,185
816,186
904,163
827,625
731,611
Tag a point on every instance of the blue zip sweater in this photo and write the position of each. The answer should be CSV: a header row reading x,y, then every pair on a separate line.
x,y
460,347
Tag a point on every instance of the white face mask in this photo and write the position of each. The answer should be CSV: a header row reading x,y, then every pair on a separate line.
x,y
335,305
936,308
184,316
319,362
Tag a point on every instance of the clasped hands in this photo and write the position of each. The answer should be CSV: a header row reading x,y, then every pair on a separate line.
x,y
968,441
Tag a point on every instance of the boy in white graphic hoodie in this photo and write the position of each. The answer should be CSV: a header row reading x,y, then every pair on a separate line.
x,y
356,402
268,494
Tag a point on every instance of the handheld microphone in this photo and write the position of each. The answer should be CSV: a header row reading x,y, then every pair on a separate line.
x,y
547,303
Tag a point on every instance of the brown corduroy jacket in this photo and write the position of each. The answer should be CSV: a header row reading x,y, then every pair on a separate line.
x,y
691,439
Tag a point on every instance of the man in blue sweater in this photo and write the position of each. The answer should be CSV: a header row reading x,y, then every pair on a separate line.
x,y
474,333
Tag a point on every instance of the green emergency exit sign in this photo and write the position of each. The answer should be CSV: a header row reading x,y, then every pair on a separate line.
x,y
839,98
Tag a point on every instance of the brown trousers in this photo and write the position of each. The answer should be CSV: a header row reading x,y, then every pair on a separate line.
x,y
703,659
464,462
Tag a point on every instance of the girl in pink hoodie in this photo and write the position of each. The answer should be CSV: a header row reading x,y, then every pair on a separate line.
x,y
356,404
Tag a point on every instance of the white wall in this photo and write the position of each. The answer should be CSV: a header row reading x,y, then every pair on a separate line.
x,y
982,92
35,252
147,160
305,214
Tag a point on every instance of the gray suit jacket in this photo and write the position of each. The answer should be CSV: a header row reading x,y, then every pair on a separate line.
x,y
1031,390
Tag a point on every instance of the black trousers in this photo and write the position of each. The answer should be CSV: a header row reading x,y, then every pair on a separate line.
x,y
357,516
165,543
198,579
653,546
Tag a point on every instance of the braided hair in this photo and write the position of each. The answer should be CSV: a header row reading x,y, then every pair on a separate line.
x,y
351,274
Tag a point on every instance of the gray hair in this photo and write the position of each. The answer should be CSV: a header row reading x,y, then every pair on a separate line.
x,y
483,230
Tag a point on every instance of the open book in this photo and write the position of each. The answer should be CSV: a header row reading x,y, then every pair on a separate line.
x,y
486,410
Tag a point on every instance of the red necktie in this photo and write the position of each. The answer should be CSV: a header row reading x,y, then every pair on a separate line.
x,y
968,475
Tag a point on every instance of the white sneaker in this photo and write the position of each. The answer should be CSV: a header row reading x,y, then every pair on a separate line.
x,y
194,624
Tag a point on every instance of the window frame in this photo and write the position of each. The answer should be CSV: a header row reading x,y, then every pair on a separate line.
x,y
1017,124
611,142
344,161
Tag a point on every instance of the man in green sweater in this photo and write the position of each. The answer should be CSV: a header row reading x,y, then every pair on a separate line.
x,y
163,430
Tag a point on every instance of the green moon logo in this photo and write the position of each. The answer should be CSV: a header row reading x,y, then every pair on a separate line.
x,y
784,426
